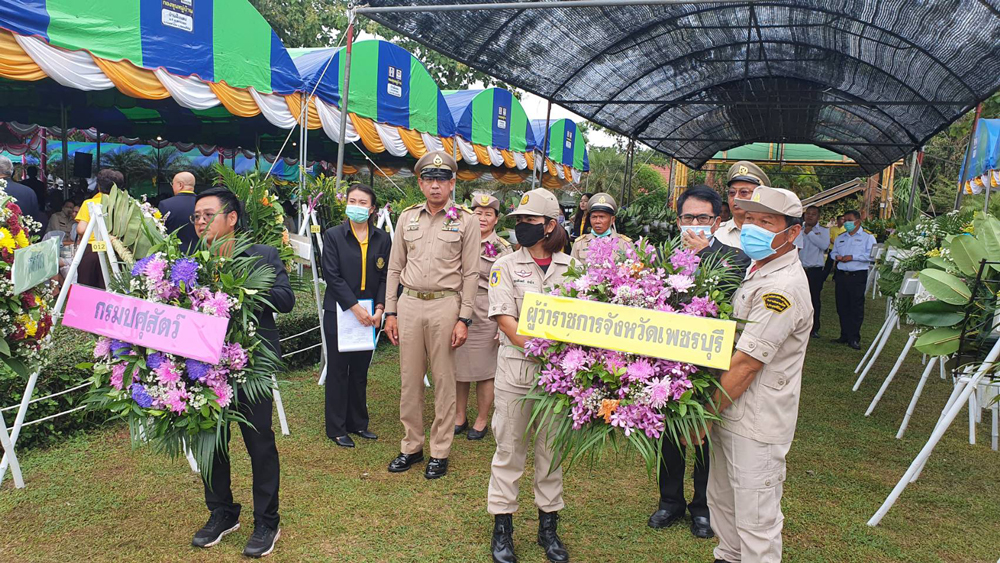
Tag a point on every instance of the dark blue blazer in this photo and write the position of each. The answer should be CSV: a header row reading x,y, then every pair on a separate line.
x,y
281,296
341,263
25,199
178,211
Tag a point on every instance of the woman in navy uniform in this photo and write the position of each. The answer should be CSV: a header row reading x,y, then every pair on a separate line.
x,y
355,257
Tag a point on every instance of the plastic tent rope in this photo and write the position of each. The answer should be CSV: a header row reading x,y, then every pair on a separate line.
x,y
869,79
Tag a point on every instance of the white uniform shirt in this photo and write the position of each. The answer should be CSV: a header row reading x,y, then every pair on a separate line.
x,y
812,246
858,246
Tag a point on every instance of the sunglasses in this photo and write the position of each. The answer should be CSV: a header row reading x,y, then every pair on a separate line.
x,y
436,175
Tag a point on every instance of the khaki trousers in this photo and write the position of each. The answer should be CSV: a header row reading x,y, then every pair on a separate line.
x,y
744,497
425,329
510,424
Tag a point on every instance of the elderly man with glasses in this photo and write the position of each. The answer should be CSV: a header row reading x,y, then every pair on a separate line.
x,y
743,178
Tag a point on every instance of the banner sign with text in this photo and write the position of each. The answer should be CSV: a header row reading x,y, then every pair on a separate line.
x,y
683,338
34,264
154,325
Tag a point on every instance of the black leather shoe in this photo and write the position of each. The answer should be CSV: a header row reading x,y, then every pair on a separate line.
x,y
261,543
436,467
405,461
459,428
555,551
663,518
854,344
477,434
701,527
502,544
344,441
840,340
366,434
721,561
814,334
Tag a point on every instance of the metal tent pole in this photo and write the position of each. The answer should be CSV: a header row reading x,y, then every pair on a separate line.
x,y
545,147
913,185
968,155
543,5
65,149
344,95
98,148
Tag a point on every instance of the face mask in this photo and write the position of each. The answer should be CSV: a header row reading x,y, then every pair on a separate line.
x,y
528,234
849,225
756,241
607,233
357,213
703,229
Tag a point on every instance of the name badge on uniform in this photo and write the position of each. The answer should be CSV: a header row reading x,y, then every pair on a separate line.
x,y
413,227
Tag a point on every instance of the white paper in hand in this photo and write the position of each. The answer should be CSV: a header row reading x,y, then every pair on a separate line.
x,y
352,336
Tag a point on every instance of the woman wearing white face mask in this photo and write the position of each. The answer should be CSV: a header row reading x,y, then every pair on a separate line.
x,y
355,256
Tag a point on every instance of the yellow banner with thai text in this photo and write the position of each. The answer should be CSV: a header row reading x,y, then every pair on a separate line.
x,y
683,338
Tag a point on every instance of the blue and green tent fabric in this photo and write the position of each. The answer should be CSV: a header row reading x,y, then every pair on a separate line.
x,y
981,162
566,143
491,117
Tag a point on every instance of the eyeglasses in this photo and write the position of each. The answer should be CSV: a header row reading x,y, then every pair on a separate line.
x,y
743,193
199,217
703,219
431,175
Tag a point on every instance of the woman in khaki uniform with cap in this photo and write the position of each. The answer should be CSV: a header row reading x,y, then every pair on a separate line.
x,y
537,267
476,361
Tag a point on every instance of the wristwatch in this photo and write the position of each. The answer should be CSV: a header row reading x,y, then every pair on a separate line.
x,y
468,322
390,314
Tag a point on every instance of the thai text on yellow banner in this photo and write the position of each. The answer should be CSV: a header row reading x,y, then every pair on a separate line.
x,y
671,336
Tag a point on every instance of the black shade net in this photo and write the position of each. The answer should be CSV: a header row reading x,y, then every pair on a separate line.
x,y
872,80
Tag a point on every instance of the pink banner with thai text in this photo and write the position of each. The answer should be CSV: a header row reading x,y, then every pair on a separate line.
x,y
158,326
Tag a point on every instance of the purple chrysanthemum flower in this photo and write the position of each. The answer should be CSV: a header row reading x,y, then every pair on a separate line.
x,y
119,348
140,265
103,347
140,396
155,360
184,271
196,371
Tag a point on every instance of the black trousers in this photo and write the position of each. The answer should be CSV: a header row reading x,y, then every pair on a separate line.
x,y
263,461
89,271
672,480
851,303
346,384
828,267
816,277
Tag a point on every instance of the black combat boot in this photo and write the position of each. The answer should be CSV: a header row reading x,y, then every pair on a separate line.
x,y
503,539
555,551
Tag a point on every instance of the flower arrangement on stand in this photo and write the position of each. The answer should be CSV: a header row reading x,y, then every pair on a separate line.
x,y
587,395
25,318
171,401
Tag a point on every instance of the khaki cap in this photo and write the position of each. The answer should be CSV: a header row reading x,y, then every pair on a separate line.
x,y
602,202
486,200
437,159
538,203
772,200
746,171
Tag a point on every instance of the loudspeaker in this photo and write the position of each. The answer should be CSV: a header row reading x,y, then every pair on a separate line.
x,y
83,164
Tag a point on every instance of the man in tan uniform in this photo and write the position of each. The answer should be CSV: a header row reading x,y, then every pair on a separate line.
x,y
744,176
435,257
602,219
760,405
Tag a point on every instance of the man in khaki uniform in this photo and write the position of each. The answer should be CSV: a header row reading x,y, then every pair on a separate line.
x,y
536,268
744,176
435,257
602,219
761,401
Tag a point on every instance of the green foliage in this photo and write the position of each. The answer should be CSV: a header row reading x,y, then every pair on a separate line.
x,y
263,215
653,220
879,228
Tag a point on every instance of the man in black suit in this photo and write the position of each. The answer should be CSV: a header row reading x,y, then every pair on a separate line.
x,y
23,196
217,214
177,210
38,186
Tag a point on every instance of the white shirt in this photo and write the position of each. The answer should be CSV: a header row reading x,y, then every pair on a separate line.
x,y
858,246
812,246
728,234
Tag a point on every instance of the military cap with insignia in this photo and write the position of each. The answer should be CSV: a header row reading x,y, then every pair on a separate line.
x,y
538,203
434,163
773,200
603,202
486,200
746,171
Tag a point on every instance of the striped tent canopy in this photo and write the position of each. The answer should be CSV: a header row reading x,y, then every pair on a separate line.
x,y
566,160
984,162
394,104
143,68
493,129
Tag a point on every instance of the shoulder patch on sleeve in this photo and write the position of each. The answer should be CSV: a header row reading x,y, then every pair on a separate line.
x,y
776,302
494,277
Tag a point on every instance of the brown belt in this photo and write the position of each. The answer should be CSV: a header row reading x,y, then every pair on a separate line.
x,y
428,295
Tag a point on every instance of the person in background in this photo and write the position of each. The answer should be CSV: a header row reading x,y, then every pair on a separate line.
x,y
39,187
743,178
89,271
581,219
23,196
476,361
835,231
217,215
602,221
758,402
535,268
435,258
852,251
812,244
63,219
726,214
699,219
177,210
355,260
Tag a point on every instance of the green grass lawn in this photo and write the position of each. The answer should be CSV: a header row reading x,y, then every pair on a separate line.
x,y
93,498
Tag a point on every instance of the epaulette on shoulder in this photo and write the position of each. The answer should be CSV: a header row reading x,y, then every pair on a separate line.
x,y
625,238
504,241
466,209
579,238
413,206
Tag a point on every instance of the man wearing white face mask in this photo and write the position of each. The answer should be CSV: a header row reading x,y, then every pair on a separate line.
x,y
852,253
698,215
